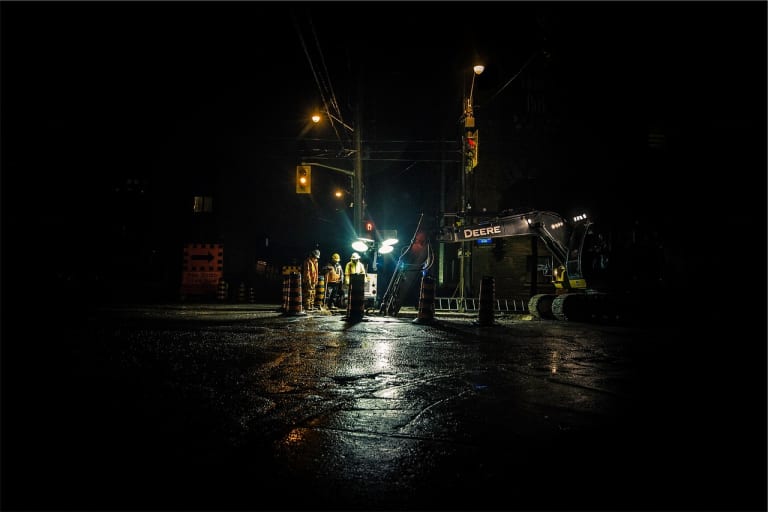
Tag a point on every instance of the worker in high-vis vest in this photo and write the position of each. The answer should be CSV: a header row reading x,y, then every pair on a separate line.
x,y
309,274
354,266
334,281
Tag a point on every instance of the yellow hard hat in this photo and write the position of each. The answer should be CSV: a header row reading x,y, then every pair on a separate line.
x,y
335,257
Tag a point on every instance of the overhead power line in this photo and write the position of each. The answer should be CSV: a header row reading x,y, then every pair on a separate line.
x,y
530,59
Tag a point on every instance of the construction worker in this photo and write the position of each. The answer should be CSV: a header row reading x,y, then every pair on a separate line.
x,y
353,267
309,273
333,282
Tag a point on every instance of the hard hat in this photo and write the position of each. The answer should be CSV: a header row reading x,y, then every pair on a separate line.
x,y
335,257
355,256
316,253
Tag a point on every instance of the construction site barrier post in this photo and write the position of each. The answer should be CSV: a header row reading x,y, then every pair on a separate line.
x,y
320,292
241,292
426,314
487,301
295,307
222,291
356,298
286,292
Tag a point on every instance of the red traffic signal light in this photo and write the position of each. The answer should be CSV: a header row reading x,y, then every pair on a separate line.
x,y
472,138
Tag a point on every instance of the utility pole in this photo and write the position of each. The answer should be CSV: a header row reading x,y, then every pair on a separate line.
x,y
468,162
358,182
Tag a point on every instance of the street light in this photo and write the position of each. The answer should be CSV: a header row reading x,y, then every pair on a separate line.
x,y
316,119
468,161
478,70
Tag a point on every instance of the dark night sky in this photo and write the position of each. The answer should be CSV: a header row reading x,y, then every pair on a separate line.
x,y
199,96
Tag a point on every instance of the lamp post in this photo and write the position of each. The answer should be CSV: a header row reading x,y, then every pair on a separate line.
x,y
468,136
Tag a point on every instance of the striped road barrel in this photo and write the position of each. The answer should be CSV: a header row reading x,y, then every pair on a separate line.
x,y
426,314
320,292
222,291
286,292
294,301
241,293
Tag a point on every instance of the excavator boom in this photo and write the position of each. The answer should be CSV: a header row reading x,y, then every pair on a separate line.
x,y
564,240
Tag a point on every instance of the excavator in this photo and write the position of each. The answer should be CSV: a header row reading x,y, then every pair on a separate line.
x,y
573,299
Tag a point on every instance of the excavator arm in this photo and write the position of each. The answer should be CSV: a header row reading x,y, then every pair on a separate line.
x,y
563,239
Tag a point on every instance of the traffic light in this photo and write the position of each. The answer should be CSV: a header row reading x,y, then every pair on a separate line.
x,y
303,179
470,150
369,227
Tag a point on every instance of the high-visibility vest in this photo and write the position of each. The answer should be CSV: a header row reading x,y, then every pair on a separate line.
x,y
353,267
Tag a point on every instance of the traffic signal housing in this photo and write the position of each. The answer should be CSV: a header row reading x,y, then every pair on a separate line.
x,y
303,179
470,150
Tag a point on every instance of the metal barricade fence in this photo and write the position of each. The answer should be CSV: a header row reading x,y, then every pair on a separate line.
x,y
514,305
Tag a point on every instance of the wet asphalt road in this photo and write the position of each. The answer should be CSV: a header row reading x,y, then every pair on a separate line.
x,y
239,407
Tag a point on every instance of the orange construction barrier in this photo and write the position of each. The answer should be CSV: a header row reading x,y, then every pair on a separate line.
x,y
286,292
295,306
222,291
426,314
320,292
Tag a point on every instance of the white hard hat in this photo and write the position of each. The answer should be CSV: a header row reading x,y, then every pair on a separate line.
x,y
355,256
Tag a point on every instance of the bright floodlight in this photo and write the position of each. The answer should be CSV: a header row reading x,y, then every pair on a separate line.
x,y
359,246
386,249
316,118
389,241
479,69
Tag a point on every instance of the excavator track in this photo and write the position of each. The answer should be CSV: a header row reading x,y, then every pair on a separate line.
x,y
583,307
572,307
540,306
